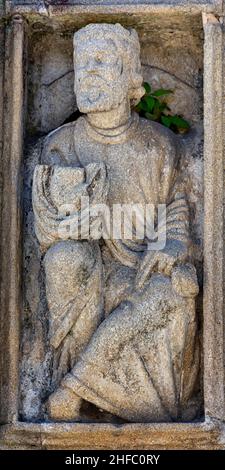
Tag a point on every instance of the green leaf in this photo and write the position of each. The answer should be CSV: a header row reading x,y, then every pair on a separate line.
x,y
166,120
179,122
143,105
157,110
163,106
150,103
152,106
162,92
147,87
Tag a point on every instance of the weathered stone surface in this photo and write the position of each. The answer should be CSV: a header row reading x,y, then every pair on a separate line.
x,y
2,44
11,218
115,365
213,5
163,27
37,380
50,75
104,2
195,436
214,211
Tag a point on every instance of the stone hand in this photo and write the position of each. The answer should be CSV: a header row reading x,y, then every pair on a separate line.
x,y
163,261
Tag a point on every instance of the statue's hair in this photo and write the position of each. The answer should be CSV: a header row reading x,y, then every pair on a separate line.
x,y
127,41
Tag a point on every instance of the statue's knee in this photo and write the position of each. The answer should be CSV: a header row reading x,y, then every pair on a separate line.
x,y
69,254
185,281
67,264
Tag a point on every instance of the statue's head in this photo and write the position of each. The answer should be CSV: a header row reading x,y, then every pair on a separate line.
x,y
107,67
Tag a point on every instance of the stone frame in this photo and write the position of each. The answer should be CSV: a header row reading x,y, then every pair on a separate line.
x,y
208,434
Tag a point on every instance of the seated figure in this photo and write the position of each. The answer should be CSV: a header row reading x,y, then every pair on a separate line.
x,y
122,317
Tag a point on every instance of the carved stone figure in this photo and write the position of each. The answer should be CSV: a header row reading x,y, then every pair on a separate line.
x,y
121,317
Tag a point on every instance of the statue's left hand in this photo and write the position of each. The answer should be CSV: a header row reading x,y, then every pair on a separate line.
x,y
162,261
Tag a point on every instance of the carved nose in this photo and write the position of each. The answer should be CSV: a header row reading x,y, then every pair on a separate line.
x,y
92,66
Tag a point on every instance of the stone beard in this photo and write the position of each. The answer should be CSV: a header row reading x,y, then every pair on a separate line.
x,y
122,318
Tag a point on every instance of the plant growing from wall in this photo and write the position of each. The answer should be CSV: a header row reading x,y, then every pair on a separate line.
x,y
153,106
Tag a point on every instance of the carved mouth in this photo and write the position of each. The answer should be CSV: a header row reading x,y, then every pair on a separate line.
x,y
94,95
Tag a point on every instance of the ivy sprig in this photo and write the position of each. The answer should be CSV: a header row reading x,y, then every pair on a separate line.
x,y
152,106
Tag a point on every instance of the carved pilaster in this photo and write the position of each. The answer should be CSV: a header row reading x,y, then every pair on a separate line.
x,y
214,223
11,227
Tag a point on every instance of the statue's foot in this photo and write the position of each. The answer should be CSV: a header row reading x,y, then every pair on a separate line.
x,y
63,405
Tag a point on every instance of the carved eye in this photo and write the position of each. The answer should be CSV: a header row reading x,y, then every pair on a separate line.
x,y
98,60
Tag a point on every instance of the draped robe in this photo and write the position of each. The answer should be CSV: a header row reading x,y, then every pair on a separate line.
x,y
139,356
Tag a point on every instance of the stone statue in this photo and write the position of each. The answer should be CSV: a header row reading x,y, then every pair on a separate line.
x,y
122,317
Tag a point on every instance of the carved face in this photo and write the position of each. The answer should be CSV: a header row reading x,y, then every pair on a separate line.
x,y
101,83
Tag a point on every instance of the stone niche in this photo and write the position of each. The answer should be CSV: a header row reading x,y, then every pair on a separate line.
x,y
182,46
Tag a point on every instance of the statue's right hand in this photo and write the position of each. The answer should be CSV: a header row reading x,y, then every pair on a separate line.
x,y
162,261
